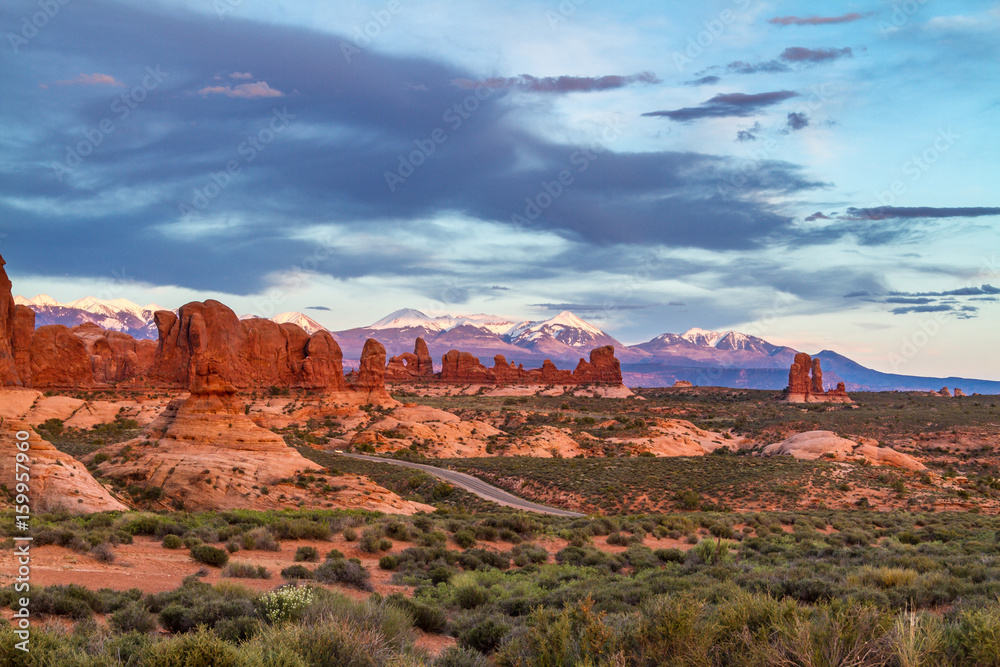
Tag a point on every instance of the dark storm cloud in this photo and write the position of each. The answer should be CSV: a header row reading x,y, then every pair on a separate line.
x,y
922,309
317,308
727,105
797,121
351,121
931,302
902,212
703,81
818,215
963,291
798,54
749,134
560,84
816,20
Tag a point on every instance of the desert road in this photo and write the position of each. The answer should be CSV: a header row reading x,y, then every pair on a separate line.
x,y
472,485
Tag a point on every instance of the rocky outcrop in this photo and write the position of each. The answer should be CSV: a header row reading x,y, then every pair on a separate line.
x,y
8,370
24,331
944,392
959,392
408,367
603,367
115,356
805,383
58,481
249,354
59,358
813,445
464,368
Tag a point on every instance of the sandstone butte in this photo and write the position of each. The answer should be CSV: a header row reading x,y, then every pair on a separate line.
x,y
805,383
58,481
463,368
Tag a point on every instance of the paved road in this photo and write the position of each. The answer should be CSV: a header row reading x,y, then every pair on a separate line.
x,y
471,484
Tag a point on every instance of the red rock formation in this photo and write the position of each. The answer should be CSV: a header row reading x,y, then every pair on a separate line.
x,y
464,368
252,353
798,375
115,356
805,389
944,392
817,377
59,358
959,392
8,370
24,330
603,367
425,364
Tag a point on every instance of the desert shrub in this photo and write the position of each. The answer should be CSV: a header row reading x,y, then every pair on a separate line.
x,y
670,555
209,555
485,636
350,534
134,617
470,596
529,552
306,555
285,604
483,559
426,616
293,572
259,539
242,570
195,649
346,572
388,563
464,538
172,542
335,554
103,553
456,656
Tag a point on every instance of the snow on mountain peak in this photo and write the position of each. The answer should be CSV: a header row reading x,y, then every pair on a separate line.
x,y
704,337
310,325
406,317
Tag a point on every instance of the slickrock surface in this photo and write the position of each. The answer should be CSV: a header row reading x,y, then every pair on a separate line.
x,y
57,480
813,445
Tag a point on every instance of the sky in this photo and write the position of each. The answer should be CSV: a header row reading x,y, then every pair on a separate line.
x,y
822,175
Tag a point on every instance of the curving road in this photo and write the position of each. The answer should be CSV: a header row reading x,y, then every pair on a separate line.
x,y
470,484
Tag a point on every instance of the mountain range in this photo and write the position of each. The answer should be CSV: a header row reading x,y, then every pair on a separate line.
x,y
704,358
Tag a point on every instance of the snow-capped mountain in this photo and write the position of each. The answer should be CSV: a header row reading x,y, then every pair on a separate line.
x,y
115,314
564,336
410,318
717,348
310,325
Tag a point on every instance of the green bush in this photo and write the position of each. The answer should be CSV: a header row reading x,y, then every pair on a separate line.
x,y
388,563
172,542
209,555
464,538
294,572
198,649
484,636
241,570
307,555
347,572
134,617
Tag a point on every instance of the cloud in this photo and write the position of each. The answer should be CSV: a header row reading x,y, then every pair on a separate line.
x,y
241,75
749,134
940,308
727,105
610,305
931,302
560,84
816,20
500,288
797,121
743,67
962,291
243,90
703,81
902,212
91,80
818,215
317,308
798,54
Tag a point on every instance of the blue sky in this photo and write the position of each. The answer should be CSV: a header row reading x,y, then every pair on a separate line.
x,y
821,175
